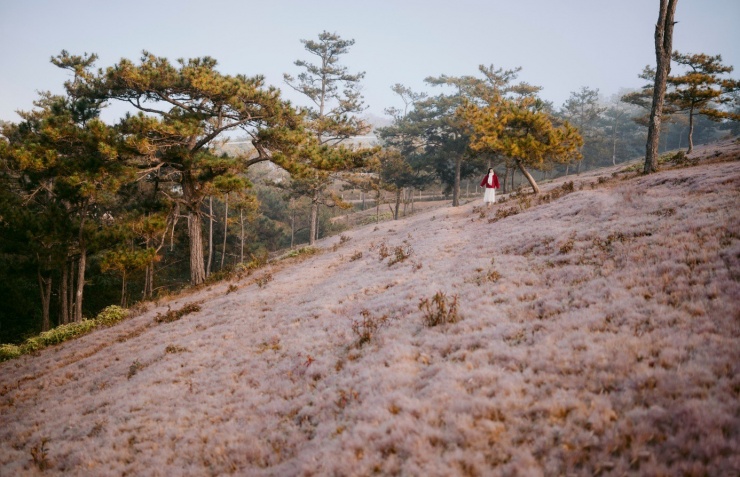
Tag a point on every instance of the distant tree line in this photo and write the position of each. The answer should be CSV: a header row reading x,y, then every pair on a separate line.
x,y
93,214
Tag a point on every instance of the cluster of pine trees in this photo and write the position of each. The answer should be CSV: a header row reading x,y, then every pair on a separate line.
x,y
93,214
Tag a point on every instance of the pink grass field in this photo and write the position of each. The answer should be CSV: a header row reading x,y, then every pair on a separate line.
x,y
597,333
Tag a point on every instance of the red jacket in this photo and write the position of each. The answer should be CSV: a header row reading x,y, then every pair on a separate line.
x,y
484,182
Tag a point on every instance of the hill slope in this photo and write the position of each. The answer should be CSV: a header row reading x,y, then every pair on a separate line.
x,y
598,333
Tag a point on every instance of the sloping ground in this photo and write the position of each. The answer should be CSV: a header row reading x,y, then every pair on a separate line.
x,y
598,334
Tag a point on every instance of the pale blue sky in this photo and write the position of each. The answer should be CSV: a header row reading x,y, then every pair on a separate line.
x,y
561,45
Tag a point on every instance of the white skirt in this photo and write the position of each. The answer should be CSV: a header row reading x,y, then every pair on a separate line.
x,y
490,195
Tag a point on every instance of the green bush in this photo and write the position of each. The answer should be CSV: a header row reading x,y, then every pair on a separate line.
x,y
306,251
109,316
9,351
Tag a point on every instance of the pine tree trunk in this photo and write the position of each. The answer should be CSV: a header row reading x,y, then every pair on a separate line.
x,y
197,263
149,280
226,230
691,131
614,147
377,207
614,138
456,185
63,296
241,222
292,230
123,289
45,288
210,235
314,218
398,204
663,49
175,218
193,201
529,177
80,283
71,291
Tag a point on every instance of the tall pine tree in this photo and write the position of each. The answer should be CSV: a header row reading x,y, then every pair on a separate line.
x,y
333,119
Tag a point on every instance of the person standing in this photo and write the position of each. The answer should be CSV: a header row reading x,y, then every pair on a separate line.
x,y
490,182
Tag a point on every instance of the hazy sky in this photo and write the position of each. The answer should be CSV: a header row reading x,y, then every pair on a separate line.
x,y
561,45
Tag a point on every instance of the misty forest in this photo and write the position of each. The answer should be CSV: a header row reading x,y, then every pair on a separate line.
x,y
206,180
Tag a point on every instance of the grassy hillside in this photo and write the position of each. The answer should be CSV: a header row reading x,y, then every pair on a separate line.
x,y
591,331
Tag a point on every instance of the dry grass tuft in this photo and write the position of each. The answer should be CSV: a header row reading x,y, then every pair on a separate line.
x,y
439,310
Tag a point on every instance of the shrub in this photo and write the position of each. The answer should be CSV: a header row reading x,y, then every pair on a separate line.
x,y
111,315
301,252
264,280
525,202
371,219
39,455
134,368
439,310
568,245
9,351
481,277
174,315
367,326
171,349
342,240
503,213
383,252
401,253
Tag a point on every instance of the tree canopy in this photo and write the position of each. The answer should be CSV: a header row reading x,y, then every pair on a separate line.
x,y
183,111
521,130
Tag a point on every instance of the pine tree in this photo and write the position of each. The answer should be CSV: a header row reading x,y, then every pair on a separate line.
x,y
582,110
184,111
67,169
663,42
333,119
521,130
701,90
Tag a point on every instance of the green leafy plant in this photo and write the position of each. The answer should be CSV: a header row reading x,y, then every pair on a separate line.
x,y
302,252
109,316
9,351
